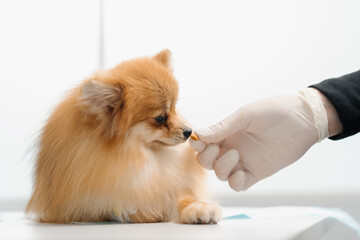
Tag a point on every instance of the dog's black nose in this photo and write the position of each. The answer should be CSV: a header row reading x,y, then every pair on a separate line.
x,y
187,132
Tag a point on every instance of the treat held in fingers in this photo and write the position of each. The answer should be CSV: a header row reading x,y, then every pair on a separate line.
x,y
194,137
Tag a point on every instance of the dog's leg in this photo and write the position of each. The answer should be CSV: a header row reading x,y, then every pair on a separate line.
x,y
193,211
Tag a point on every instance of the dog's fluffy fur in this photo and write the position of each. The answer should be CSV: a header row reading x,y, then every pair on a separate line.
x,y
105,155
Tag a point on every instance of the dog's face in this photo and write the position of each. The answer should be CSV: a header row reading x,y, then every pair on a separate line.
x,y
136,98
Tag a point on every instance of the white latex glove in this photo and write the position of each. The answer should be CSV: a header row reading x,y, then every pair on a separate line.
x,y
262,137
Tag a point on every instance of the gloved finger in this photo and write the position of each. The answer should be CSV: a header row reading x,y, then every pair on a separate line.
x,y
197,145
207,157
217,132
241,180
225,164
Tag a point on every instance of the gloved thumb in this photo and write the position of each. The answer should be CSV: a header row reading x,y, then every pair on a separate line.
x,y
217,132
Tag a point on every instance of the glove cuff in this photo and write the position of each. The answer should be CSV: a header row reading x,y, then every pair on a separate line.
x,y
318,110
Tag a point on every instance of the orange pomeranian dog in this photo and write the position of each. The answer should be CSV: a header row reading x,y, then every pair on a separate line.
x,y
114,150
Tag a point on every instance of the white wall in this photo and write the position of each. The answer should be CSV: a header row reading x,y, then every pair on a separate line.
x,y
225,54
229,53
46,47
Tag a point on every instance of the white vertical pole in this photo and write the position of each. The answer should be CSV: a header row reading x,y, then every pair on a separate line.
x,y
101,34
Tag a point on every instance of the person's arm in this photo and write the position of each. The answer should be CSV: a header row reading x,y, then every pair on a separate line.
x,y
334,123
265,136
344,94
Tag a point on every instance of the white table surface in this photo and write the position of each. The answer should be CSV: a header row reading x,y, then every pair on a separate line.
x,y
238,223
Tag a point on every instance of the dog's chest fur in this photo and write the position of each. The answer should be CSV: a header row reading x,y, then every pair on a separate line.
x,y
152,184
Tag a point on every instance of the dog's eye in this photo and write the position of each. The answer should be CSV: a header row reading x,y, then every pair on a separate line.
x,y
160,119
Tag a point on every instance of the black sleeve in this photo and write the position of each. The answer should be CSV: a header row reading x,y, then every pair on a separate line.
x,y
344,93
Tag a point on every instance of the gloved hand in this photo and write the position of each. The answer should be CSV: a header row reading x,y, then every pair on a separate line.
x,y
262,137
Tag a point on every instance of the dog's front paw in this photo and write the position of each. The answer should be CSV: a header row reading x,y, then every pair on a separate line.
x,y
200,213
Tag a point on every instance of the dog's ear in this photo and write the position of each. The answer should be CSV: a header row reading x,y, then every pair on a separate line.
x,y
101,99
163,57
